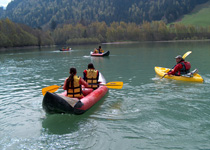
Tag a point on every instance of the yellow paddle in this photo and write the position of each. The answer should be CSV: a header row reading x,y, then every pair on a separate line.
x,y
111,85
51,89
114,85
184,56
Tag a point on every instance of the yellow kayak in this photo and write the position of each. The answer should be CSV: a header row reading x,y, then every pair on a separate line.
x,y
194,78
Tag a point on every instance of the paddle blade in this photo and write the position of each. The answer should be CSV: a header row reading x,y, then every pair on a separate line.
x,y
114,85
163,76
186,54
51,89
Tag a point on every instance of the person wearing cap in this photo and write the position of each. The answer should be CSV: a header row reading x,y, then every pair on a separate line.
x,y
182,67
91,75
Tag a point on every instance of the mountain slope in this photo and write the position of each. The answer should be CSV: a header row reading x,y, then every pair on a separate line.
x,y
198,17
45,12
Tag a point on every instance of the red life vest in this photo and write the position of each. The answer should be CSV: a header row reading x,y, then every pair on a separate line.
x,y
185,67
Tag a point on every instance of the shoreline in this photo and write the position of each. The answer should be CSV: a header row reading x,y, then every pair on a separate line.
x,y
117,42
169,41
25,47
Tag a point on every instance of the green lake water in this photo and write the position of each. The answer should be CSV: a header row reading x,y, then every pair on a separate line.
x,y
147,113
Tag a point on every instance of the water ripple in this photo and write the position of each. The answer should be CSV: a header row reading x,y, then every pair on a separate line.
x,y
147,113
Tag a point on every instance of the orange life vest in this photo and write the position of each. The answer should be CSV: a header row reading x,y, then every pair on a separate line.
x,y
92,77
76,90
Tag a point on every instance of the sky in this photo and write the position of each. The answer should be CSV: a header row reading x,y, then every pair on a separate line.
x,y
4,3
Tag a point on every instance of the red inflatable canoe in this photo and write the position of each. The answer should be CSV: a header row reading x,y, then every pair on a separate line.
x,y
60,103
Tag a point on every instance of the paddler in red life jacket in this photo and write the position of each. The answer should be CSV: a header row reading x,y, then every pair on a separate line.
x,y
182,67
73,85
91,75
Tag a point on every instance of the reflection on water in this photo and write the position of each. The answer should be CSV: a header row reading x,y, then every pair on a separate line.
x,y
148,113
68,123
62,124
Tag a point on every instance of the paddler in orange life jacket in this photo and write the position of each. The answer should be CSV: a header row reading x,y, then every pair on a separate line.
x,y
73,85
91,76
182,67
99,50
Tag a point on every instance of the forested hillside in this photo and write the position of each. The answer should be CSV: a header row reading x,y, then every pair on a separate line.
x,y
99,32
67,22
2,12
39,13
15,35
198,17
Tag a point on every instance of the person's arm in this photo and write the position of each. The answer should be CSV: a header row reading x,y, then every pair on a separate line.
x,y
64,85
97,75
176,69
82,82
84,75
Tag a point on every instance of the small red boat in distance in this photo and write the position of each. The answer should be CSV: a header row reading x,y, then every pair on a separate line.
x,y
65,49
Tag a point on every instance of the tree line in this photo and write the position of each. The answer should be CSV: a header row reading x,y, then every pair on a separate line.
x,y
14,35
17,35
99,32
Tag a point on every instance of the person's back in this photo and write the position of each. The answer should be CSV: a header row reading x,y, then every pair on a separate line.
x,y
73,85
91,76
100,50
185,67
74,89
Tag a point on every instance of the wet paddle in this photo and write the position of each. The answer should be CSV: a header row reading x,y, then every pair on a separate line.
x,y
111,85
184,56
51,89
163,76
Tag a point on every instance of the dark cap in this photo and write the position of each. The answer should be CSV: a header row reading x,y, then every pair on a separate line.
x,y
179,56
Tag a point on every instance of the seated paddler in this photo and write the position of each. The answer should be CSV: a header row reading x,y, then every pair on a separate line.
x,y
100,50
91,76
182,67
73,85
